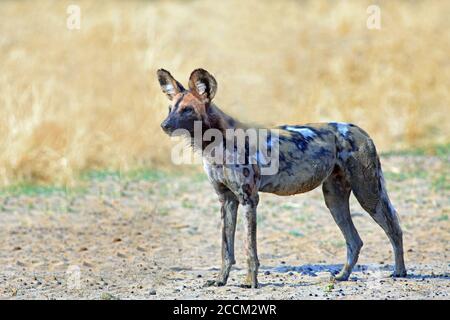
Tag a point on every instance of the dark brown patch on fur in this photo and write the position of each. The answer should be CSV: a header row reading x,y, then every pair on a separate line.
x,y
247,189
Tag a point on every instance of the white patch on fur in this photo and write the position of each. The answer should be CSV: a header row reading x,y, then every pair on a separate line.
x,y
169,89
201,87
306,133
342,128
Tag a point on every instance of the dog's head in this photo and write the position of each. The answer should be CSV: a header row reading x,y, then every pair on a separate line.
x,y
187,106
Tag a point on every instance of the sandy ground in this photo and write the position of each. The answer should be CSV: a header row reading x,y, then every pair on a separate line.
x,y
158,237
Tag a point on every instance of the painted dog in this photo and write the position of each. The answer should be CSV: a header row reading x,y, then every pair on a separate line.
x,y
340,156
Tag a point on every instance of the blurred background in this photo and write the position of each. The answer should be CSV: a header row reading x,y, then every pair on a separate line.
x,y
76,100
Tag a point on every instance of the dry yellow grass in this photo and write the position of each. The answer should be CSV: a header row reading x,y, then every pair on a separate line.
x,y
74,100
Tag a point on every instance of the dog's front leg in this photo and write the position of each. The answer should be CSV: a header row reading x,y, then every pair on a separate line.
x,y
229,215
251,250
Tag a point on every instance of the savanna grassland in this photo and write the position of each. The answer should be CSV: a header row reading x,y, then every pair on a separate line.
x,y
92,207
76,100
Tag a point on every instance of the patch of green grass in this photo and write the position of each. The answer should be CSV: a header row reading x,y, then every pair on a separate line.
x,y
29,189
301,218
296,234
440,150
407,226
442,217
405,152
260,219
199,177
338,243
441,183
163,211
131,175
402,176
99,175
443,150
146,174
329,287
187,204
287,206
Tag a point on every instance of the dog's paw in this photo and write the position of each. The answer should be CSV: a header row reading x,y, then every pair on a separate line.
x,y
399,274
250,285
341,276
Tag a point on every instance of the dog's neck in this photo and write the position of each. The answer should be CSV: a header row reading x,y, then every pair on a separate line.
x,y
215,119
222,121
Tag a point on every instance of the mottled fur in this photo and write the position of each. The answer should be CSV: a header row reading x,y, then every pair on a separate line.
x,y
340,156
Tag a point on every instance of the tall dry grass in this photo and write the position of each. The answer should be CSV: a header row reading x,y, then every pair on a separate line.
x,y
74,100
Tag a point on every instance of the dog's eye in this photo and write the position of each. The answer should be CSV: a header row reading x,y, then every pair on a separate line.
x,y
188,110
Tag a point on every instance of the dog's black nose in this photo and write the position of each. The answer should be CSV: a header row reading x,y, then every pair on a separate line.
x,y
165,125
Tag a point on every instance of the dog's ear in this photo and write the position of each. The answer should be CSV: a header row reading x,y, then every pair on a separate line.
x,y
203,85
169,85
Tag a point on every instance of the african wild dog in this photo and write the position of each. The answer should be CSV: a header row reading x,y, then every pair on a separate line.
x,y
340,156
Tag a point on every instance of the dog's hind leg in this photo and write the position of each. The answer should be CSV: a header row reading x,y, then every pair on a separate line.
x,y
336,191
368,186
386,217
